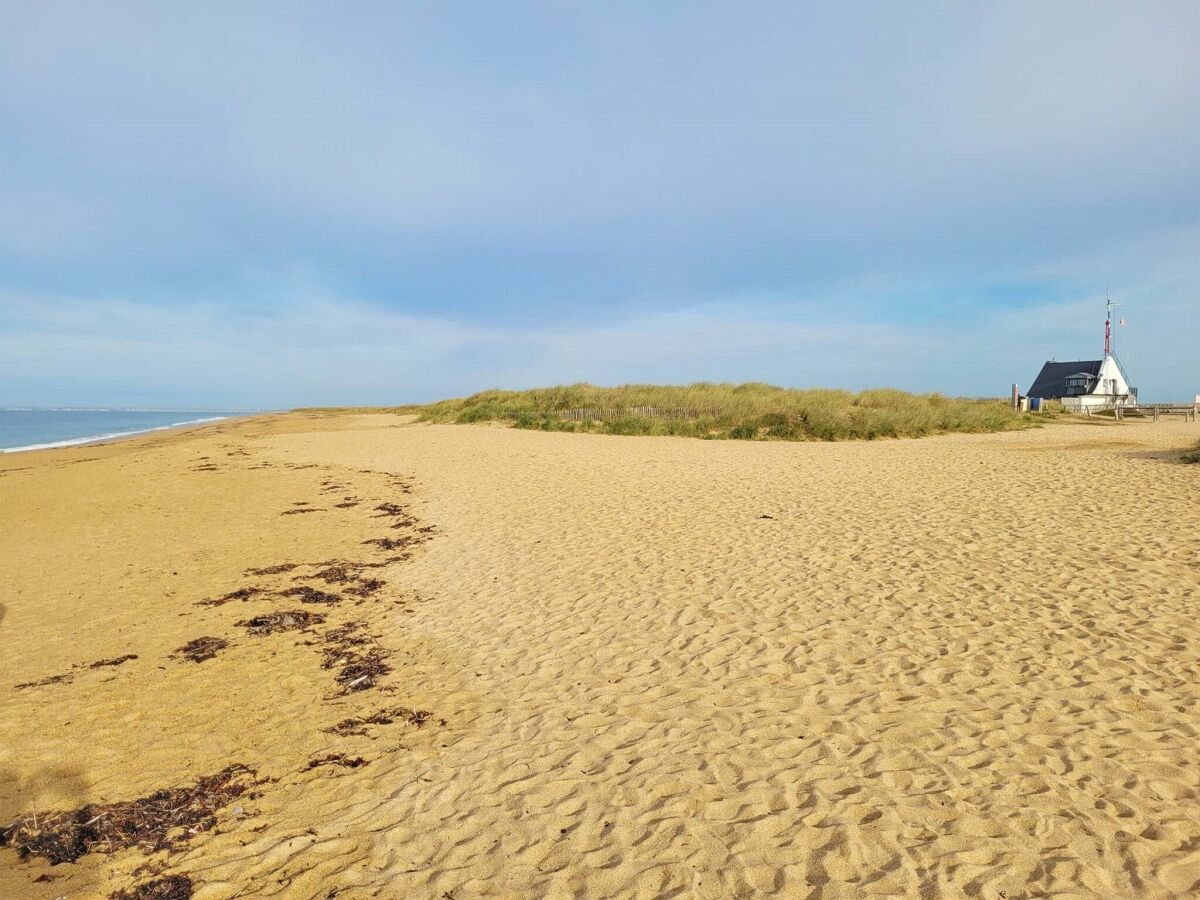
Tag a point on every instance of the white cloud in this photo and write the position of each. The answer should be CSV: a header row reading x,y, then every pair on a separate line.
x,y
769,182
315,348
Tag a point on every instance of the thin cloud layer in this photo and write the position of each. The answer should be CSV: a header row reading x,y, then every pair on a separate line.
x,y
424,201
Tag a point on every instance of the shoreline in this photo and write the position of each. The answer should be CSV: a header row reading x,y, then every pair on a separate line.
x,y
92,440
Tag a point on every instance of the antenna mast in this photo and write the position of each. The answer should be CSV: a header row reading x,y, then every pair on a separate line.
x,y
1109,306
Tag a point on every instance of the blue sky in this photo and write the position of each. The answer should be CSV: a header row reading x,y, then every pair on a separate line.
x,y
236,204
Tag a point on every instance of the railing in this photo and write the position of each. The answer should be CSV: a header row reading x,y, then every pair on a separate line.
x,y
1154,410
1143,410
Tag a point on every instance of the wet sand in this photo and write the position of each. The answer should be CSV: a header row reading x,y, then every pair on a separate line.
x,y
469,661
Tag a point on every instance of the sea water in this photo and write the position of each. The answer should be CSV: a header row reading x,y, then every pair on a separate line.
x,y
37,429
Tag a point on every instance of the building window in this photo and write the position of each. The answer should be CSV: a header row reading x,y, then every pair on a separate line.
x,y
1076,385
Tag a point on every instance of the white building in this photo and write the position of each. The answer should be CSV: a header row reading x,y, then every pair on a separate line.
x,y
1087,383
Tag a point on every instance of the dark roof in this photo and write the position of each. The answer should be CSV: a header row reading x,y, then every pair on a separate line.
x,y
1051,382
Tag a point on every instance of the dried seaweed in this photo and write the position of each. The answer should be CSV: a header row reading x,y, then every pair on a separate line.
x,y
337,759
201,648
64,678
164,820
298,510
242,594
366,587
335,574
391,509
348,635
68,677
358,725
357,671
274,570
395,543
284,620
340,573
361,672
395,510
115,661
311,595
172,887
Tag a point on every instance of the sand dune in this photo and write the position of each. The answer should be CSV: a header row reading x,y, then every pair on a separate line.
x,y
652,667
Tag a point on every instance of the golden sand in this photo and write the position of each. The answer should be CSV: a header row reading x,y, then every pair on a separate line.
x,y
965,666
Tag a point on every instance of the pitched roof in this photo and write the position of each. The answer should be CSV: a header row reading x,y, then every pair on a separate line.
x,y
1051,382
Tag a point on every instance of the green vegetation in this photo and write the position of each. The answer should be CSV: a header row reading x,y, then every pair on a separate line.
x,y
742,411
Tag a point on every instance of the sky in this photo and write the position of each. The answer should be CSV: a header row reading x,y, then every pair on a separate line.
x,y
264,205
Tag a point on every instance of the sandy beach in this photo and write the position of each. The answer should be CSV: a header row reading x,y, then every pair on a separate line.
x,y
468,661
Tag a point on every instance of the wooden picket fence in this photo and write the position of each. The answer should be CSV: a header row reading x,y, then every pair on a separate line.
x,y
601,413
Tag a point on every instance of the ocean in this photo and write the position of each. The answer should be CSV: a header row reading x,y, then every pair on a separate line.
x,y
37,429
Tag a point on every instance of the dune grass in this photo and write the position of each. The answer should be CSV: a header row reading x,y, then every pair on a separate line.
x,y
741,411
1192,456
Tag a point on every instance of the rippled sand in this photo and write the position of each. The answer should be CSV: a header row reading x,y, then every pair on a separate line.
x,y
959,666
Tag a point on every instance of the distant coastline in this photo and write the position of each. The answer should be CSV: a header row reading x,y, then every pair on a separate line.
x,y
28,429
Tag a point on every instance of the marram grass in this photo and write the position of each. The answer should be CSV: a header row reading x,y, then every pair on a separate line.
x,y
750,411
